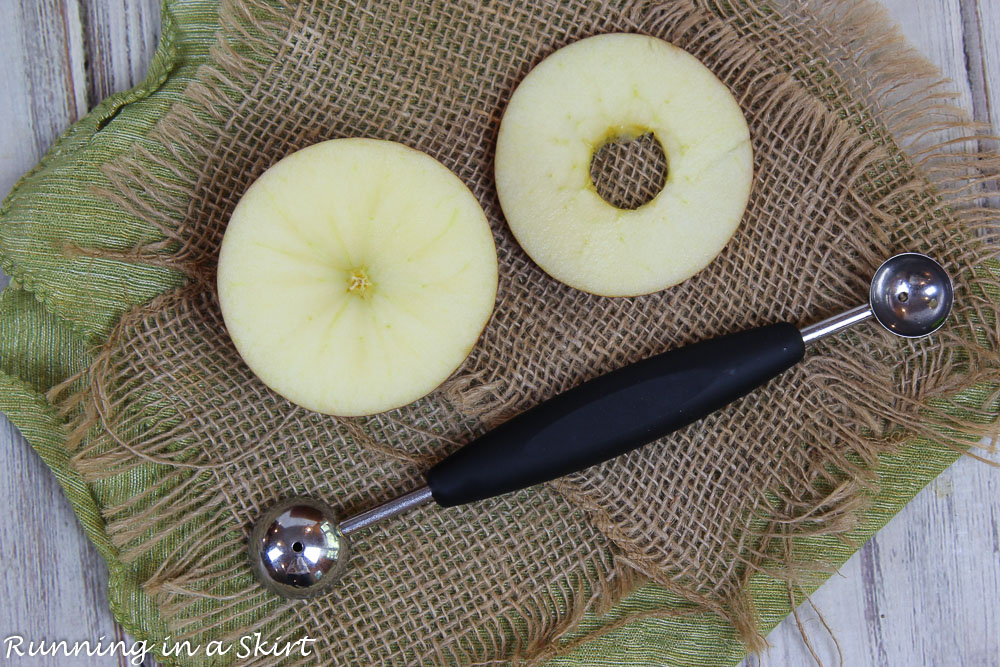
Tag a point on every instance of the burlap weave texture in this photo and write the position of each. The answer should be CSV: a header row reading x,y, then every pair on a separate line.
x,y
698,513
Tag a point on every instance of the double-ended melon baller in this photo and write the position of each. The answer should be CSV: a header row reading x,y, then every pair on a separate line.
x,y
299,550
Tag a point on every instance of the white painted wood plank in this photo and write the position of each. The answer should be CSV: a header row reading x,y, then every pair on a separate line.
x,y
42,76
987,14
924,590
54,583
60,58
935,28
120,36
981,20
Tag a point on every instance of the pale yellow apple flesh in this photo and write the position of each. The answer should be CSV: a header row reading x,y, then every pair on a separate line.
x,y
356,275
611,87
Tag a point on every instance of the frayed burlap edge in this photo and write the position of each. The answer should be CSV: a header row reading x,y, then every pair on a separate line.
x,y
959,176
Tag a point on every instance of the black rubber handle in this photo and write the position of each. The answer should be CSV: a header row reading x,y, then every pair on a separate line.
x,y
614,414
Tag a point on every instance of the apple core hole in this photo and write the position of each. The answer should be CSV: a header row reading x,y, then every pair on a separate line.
x,y
629,172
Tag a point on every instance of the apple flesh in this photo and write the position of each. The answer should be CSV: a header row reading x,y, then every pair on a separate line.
x,y
356,275
612,87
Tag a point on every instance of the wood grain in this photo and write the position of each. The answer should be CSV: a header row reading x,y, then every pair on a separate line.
x,y
43,75
60,58
923,592
981,32
119,39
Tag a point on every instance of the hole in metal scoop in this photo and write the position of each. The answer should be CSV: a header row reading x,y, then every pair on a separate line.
x,y
297,548
911,295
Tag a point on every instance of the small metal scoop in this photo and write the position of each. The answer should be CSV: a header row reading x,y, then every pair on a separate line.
x,y
911,295
298,550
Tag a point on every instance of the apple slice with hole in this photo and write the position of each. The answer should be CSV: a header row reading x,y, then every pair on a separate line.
x,y
609,88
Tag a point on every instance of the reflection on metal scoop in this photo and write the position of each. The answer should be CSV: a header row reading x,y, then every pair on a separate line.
x,y
911,295
298,550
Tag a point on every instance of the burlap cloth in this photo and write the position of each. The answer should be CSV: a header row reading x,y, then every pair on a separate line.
x,y
169,446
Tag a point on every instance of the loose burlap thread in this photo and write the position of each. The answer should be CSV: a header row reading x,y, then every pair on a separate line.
x,y
843,179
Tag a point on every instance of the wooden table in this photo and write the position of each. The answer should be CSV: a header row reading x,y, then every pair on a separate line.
x,y
923,592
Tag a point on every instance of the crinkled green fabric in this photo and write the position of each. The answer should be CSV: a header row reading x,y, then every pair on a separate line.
x,y
63,303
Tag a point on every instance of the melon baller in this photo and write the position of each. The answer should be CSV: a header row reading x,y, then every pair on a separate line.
x,y
299,550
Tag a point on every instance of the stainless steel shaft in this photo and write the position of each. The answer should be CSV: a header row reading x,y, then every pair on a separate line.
x,y
387,510
835,324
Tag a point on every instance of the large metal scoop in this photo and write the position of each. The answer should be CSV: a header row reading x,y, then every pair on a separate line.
x,y
298,550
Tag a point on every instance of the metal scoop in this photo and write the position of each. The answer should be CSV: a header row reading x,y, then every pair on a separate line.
x,y
298,550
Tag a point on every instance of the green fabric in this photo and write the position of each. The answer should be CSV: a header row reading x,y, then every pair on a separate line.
x,y
63,303
58,307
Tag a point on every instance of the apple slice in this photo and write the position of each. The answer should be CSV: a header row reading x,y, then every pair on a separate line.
x,y
605,88
356,275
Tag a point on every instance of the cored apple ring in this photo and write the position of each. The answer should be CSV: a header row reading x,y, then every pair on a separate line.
x,y
606,88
